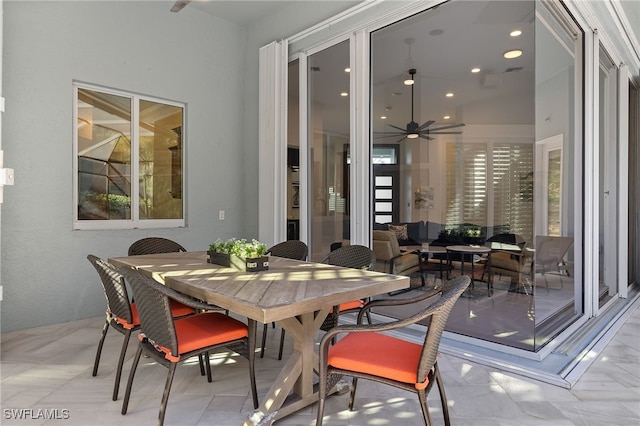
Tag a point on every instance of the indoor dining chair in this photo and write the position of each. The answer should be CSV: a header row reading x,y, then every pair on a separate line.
x,y
290,249
170,341
367,351
122,314
154,245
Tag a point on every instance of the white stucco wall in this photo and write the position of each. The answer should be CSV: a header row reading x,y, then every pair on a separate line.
x,y
135,46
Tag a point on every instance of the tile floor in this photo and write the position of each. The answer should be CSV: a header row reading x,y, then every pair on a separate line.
x,y
50,368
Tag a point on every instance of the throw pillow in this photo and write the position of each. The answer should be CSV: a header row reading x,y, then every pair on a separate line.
x,y
400,230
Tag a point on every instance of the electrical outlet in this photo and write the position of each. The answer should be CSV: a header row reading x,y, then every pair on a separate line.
x,y
221,215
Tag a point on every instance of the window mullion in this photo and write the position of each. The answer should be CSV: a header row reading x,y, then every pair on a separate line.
x,y
135,159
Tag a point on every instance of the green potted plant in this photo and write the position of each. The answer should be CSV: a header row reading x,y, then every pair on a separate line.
x,y
240,254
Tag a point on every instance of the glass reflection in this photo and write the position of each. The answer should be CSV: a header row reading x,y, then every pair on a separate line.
x,y
329,149
464,135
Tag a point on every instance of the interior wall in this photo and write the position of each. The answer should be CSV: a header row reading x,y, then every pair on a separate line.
x,y
140,47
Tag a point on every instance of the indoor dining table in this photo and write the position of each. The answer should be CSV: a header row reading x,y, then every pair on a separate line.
x,y
297,294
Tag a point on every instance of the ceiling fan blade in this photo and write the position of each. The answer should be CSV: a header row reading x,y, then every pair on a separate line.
x,y
444,133
426,124
402,129
400,140
179,5
390,135
447,127
426,137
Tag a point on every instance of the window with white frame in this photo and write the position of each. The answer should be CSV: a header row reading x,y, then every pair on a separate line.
x,y
128,160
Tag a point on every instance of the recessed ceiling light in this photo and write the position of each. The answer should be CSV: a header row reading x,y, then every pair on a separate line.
x,y
383,117
515,33
475,70
436,32
409,82
344,94
446,117
449,95
511,54
347,69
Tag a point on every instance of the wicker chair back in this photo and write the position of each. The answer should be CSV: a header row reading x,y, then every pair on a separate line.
x,y
154,309
354,256
154,245
115,291
291,249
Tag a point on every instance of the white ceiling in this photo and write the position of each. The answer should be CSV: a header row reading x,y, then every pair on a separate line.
x,y
241,12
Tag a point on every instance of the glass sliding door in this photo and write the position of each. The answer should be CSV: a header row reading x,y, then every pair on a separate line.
x,y
633,272
607,182
329,141
483,121
293,152
555,256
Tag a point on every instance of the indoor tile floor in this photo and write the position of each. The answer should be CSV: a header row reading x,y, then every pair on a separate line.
x,y
49,368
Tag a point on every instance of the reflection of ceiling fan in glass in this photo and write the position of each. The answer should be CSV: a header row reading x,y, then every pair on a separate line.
x,y
415,130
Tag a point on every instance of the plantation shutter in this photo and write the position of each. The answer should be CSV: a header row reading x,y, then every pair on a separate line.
x,y
490,185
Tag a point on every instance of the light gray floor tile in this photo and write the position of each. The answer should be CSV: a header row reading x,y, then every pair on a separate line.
x,y
50,368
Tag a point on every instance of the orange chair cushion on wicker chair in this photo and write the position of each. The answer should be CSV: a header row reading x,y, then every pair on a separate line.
x,y
177,309
195,332
354,304
207,329
366,352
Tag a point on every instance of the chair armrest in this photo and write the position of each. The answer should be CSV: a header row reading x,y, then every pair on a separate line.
x,y
396,302
461,283
392,261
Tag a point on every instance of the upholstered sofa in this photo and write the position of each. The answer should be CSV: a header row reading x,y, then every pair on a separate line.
x,y
415,233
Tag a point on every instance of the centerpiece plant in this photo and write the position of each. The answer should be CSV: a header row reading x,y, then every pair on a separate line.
x,y
239,253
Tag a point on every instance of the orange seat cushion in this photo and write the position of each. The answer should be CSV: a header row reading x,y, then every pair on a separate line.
x,y
207,329
354,304
179,310
135,319
379,355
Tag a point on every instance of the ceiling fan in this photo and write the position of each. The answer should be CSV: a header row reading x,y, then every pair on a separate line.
x,y
179,5
414,130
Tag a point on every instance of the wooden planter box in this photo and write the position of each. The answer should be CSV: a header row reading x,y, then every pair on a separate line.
x,y
254,264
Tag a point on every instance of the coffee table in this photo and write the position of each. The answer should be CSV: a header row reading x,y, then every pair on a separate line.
x,y
470,251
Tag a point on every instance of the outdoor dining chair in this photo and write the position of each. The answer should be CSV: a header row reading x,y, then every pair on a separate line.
x,y
290,249
170,341
122,314
354,256
154,245
366,350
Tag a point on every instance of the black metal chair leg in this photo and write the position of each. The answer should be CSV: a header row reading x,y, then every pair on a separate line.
x,y
105,328
165,394
282,333
264,340
132,373
123,351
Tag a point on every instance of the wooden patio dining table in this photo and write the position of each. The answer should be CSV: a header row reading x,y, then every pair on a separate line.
x,y
297,294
